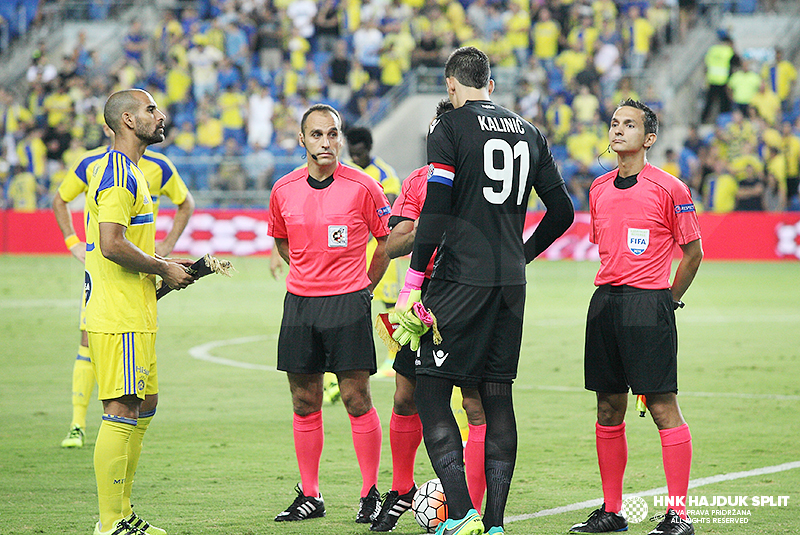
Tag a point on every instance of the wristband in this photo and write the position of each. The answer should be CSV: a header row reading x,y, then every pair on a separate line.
x,y
414,279
677,304
71,241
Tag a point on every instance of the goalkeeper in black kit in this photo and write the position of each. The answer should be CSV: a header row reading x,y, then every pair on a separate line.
x,y
483,161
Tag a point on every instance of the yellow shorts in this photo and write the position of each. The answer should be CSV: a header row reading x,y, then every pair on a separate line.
x,y
83,312
124,364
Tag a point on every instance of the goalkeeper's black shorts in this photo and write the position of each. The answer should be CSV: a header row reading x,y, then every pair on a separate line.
x,y
326,334
481,330
631,341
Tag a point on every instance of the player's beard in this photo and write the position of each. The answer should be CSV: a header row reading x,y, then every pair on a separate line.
x,y
150,136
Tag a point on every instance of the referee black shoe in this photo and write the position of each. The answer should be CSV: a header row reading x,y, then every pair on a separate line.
x,y
601,521
302,507
394,504
674,524
369,507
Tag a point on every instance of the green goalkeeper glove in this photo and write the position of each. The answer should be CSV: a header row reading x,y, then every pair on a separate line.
x,y
413,324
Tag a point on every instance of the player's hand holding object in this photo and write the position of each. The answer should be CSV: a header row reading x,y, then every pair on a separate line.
x,y
412,318
202,267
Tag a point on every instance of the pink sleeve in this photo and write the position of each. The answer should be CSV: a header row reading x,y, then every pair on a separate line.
x,y
685,226
376,209
276,227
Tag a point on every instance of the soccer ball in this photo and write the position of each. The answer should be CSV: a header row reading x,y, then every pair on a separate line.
x,y
430,505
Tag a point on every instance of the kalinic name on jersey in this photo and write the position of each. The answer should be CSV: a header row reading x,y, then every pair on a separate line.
x,y
512,125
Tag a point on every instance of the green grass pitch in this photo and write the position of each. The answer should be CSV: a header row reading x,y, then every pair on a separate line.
x,y
218,458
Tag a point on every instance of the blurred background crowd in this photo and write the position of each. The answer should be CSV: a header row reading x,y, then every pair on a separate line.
x,y
234,77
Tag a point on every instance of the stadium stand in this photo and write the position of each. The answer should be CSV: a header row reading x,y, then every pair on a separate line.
x,y
243,70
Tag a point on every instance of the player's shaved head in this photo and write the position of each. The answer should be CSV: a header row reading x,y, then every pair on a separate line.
x,y
127,100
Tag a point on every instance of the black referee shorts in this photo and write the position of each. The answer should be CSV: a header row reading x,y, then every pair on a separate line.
x,y
326,334
631,341
481,331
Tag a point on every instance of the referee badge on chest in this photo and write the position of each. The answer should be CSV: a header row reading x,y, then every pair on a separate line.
x,y
638,240
337,235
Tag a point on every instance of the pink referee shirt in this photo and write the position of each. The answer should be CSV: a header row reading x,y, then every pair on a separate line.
x,y
411,199
636,228
328,229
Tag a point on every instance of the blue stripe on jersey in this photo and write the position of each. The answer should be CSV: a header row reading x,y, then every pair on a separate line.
x,y
89,247
119,419
118,173
147,414
142,219
130,362
80,171
166,172
81,357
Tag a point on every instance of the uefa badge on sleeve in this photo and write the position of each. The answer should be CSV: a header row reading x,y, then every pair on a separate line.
x,y
638,240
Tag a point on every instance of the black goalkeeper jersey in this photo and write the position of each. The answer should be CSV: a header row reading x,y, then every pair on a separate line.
x,y
492,158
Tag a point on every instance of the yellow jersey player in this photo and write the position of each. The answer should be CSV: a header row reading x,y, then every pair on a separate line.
x,y
162,179
359,145
120,297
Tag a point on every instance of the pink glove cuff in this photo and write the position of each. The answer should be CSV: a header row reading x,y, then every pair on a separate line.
x,y
422,313
414,279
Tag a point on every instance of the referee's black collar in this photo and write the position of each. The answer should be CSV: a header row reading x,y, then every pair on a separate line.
x,y
625,182
316,184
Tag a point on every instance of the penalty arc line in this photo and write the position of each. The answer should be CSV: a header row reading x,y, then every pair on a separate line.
x,y
660,490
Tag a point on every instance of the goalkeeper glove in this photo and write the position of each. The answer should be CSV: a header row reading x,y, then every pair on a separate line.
x,y
413,324
411,292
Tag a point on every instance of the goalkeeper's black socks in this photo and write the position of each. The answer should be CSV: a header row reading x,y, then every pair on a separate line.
x,y
443,441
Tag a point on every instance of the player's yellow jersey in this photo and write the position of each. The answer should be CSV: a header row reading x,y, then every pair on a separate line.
x,y
162,179
119,300
159,172
383,173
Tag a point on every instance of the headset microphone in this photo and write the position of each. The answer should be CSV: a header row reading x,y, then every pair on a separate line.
x,y
608,149
314,156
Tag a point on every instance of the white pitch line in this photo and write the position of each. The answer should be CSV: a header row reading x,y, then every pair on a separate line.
x,y
658,491
39,303
203,352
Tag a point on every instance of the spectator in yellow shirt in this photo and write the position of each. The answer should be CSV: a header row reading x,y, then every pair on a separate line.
x,y
22,191
546,34
572,61
57,105
232,104
637,33
767,104
790,150
585,35
559,120
518,29
781,76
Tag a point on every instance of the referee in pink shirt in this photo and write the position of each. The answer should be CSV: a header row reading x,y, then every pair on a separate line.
x,y
639,213
321,218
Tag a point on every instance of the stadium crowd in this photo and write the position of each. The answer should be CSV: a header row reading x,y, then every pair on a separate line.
x,y
235,75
